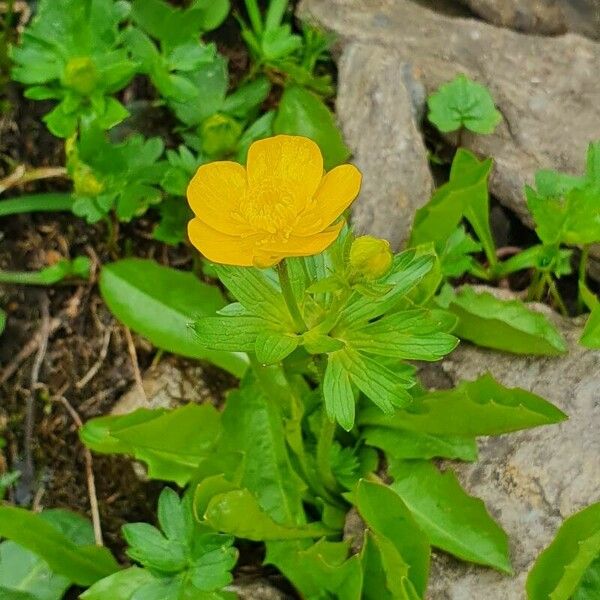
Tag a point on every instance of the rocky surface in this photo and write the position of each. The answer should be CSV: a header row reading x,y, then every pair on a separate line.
x,y
548,17
168,384
530,480
545,88
380,125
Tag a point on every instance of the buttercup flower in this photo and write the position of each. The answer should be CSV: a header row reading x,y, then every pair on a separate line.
x,y
281,204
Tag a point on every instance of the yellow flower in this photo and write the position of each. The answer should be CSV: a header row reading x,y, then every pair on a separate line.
x,y
282,204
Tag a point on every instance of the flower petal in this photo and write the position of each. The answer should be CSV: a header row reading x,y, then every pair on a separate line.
x,y
287,163
299,245
215,193
337,191
220,247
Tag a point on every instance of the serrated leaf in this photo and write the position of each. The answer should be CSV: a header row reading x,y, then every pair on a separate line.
x,y
81,564
397,525
465,195
452,520
149,547
337,392
412,334
502,324
239,513
256,292
559,568
463,103
384,387
480,407
303,113
399,443
171,443
253,424
273,347
136,291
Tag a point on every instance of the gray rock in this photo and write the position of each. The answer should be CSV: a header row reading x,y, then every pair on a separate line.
x,y
541,16
379,102
168,384
257,589
544,87
532,480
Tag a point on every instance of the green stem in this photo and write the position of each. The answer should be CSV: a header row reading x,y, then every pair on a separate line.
x,y
36,203
275,14
289,297
583,262
556,295
255,16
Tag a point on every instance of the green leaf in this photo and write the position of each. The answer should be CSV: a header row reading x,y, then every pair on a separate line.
x,y
171,443
456,258
253,424
239,513
272,348
403,443
319,569
590,338
2,320
149,547
337,392
211,13
81,564
560,567
383,386
119,586
384,571
463,103
23,572
232,333
412,334
303,113
501,324
589,584
480,407
465,195
136,291
396,524
257,292
453,520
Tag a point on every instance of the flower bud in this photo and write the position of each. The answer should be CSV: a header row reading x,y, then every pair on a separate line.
x,y
220,134
370,257
81,75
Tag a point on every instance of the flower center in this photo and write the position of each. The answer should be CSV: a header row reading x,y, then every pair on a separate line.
x,y
269,210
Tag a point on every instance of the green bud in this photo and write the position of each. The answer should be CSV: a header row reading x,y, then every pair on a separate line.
x,y
220,134
81,75
370,257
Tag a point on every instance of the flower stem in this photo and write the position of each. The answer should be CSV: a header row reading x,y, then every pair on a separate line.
x,y
50,202
289,297
583,262
556,295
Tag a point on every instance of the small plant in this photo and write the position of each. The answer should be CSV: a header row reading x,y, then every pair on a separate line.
x,y
73,52
463,103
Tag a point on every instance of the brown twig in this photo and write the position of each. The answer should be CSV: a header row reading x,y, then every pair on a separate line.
x,y
508,251
134,362
96,366
44,333
89,472
21,176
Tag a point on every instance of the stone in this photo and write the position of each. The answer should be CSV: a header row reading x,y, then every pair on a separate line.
x,y
545,88
257,589
531,480
548,17
168,384
379,103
